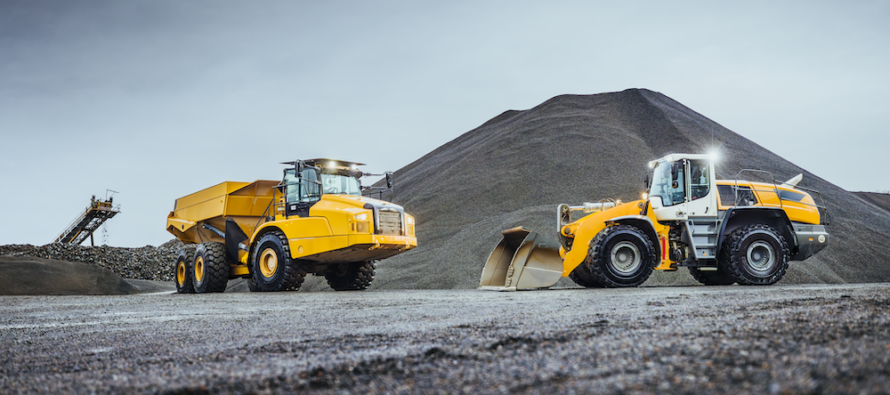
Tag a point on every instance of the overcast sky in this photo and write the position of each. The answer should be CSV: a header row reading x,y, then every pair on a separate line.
x,y
158,99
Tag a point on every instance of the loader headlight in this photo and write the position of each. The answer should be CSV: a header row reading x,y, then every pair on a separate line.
x,y
645,196
361,217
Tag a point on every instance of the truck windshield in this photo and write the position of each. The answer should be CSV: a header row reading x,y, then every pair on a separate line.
x,y
662,185
340,184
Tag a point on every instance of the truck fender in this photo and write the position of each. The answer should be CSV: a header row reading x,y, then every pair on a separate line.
x,y
737,217
235,241
643,223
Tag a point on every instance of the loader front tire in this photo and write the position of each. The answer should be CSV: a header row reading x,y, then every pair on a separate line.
x,y
620,256
711,278
354,276
209,269
272,268
755,255
182,274
582,276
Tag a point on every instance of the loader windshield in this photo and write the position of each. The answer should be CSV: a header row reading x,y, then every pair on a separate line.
x,y
340,183
664,187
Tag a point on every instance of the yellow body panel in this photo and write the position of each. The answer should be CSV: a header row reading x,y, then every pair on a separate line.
x,y
585,229
803,211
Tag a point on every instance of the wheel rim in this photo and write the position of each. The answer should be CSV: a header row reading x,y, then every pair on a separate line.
x,y
626,257
199,269
761,256
268,262
180,273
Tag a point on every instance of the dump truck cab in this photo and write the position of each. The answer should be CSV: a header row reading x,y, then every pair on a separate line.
x,y
314,221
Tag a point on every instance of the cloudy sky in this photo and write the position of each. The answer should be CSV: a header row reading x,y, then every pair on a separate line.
x,y
157,99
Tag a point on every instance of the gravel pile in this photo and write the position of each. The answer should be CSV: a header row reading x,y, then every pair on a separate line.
x,y
144,263
516,168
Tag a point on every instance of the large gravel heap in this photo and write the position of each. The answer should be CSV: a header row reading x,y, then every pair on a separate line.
x,y
144,263
516,168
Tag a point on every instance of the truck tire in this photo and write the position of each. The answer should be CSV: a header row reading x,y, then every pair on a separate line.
x,y
620,256
355,276
582,276
755,255
711,278
272,267
210,271
182,273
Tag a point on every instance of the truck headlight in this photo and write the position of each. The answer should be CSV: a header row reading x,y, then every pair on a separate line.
x,y
361,217
410,219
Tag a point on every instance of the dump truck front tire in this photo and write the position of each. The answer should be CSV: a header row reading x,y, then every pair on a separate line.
x,y
210,271
755,255
620,256
182,274
273,269
350,276
711,278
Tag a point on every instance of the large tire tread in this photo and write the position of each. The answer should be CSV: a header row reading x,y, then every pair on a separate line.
x,y
216,269
596,260
294,274
730,255
358,277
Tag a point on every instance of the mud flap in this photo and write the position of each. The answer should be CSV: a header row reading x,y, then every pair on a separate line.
x,y
522,260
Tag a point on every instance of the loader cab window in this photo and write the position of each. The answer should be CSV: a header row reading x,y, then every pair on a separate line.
x,y
340,182
699,179
663,185
303,189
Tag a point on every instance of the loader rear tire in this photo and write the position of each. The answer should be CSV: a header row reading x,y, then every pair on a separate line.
x,y
182,274
272,267
755,255
711,278
620,256
210,271
354,276
582,276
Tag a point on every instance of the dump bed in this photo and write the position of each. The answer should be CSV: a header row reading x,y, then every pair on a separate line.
x,y
244,202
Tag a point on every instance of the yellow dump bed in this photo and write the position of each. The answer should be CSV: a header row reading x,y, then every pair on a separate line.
x,y
245,202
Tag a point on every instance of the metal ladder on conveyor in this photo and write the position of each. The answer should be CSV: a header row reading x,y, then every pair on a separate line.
x,y
88,221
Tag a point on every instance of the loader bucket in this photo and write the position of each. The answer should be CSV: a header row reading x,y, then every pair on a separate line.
x,y
522,260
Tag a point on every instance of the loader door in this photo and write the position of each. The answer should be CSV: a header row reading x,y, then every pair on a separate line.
x,y
682,189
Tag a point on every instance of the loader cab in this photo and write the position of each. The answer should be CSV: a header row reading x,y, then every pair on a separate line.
x,y
683,186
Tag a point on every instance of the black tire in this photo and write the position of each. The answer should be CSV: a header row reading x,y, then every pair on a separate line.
x,y
272,267
210,271
620,256
755,255
355,276
712,278
582,276
182,273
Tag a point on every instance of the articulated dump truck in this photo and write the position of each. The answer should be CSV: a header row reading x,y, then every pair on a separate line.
x,y
723,231
275,233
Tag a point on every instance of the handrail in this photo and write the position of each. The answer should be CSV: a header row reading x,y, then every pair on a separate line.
x,y
824,209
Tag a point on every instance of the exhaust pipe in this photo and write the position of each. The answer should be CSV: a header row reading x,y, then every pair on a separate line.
x,y
522,260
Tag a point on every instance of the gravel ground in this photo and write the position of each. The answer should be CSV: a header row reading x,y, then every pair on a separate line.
x,y
779,339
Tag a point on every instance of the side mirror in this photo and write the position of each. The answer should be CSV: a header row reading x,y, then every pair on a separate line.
x,y
389,179
647,182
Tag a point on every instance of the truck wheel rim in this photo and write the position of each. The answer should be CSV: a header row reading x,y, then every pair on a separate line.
x,y
761,256
626,257
268,262
180,273
199,269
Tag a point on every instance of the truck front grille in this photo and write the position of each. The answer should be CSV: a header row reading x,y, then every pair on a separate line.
x,y
389,223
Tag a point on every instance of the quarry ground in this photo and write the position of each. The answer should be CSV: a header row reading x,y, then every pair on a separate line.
x,y
778,339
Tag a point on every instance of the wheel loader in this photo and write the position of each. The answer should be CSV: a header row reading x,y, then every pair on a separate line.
x,y
315,220
723,231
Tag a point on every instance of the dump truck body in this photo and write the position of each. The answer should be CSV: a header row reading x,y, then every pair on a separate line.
x,y
724,231
298,224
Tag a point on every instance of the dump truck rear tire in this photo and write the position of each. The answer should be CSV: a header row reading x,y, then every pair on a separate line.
x,y
582,276
182,273
355,276
620,256
272,268
210,271
711,278
755,255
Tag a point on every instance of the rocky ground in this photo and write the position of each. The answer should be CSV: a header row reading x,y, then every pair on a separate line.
x,y
778,339
143,263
